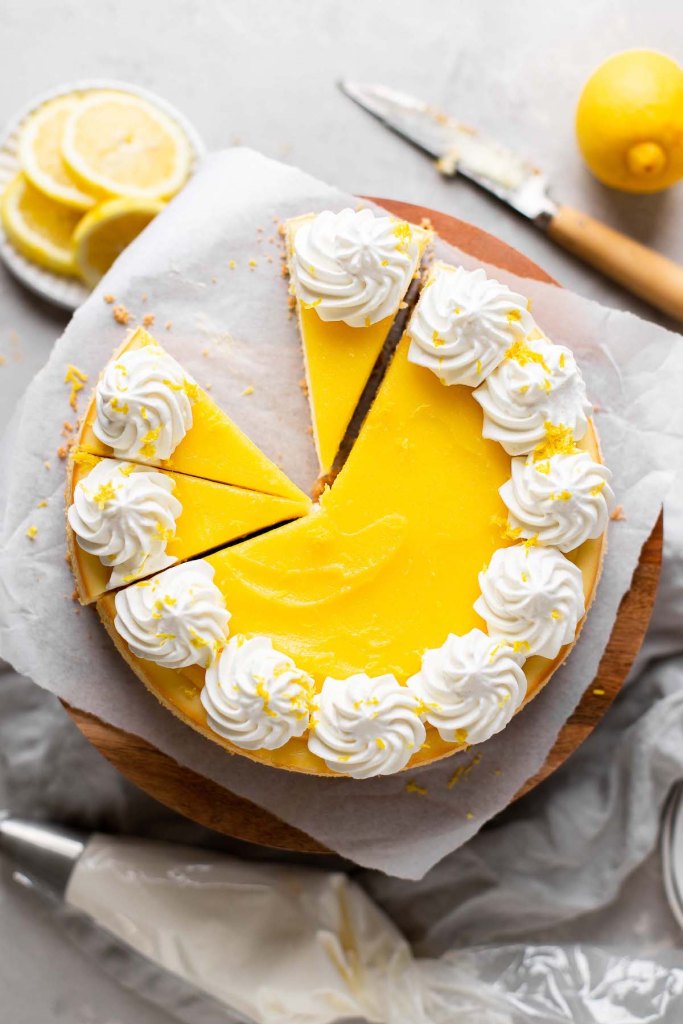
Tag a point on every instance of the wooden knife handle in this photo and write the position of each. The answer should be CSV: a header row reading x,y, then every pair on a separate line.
x,y
643,271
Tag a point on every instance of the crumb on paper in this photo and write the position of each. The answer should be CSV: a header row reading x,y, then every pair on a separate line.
x,y
303,384
597,407
144,297
414,787
426,223
62,451
259,228
205,353
148,319
42,504
309,429
121,314
2,360
618,514
109,299
253,264
232,264
76,378
168,326
74,594
249,390
598,691
282,230
269,258
47,465
32,532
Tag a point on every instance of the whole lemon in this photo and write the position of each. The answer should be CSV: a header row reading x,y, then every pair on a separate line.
x,y
629,121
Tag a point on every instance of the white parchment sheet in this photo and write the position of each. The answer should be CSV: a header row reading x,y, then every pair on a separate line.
x,y
229,326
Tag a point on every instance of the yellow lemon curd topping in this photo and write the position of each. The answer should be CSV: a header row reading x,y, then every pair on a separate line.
x,y
388,564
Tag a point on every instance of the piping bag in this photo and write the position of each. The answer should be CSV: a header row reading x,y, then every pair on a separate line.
x,y
222,940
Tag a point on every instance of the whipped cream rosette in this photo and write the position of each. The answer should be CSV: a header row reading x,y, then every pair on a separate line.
x,y
537,383
176,619
256,697
533,597
125,514
353,266
562,501
463,324
470,687
143,403
363,726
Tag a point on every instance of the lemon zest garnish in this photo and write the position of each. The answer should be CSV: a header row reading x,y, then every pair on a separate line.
x,y
262,691
82,458
32,532
310,305
555,614
597,489
513,315
404,234
104,495
413,787
380,743
520,646
117,407
76,378
149,448
437,342
522,353
559,440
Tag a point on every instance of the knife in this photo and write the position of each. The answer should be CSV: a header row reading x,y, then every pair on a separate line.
x,y
459,149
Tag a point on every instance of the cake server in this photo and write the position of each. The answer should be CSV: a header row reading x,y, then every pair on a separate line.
x,y
460,149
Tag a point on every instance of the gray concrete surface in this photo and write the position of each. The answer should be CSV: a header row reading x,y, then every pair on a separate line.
x,y
262,72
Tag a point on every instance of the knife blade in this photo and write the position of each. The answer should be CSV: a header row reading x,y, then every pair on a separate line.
x,y
460,149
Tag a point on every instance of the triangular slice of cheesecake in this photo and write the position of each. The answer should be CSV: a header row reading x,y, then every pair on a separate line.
x,y
126,521
350,272
147,409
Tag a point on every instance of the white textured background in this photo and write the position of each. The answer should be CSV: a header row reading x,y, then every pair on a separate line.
x,y
262,72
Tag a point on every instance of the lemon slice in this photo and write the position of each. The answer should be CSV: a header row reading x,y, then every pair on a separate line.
x,y
40,154
106,231
117,144
41,229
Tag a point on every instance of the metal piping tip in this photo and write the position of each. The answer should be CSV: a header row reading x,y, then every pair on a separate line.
x,y
44,854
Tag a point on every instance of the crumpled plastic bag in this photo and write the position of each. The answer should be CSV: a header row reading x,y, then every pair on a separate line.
x,y
281,944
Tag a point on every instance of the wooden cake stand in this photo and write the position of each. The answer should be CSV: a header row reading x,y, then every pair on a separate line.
x,y
217,808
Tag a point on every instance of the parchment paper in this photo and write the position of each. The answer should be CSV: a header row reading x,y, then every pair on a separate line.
x,y
229,327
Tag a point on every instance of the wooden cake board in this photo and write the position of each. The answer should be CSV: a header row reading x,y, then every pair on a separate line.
x,y
217,808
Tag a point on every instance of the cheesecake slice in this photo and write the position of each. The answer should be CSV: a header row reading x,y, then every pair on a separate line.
x,y
350,272
126,521
147,409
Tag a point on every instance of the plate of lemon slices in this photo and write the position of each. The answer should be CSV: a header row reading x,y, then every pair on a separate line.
x,y
83,170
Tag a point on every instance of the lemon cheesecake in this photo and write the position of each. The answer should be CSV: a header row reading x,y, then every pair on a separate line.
x,y
435,586
126,521
147,409
350,272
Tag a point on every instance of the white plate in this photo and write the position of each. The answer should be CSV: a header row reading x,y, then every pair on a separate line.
x,y
68,292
